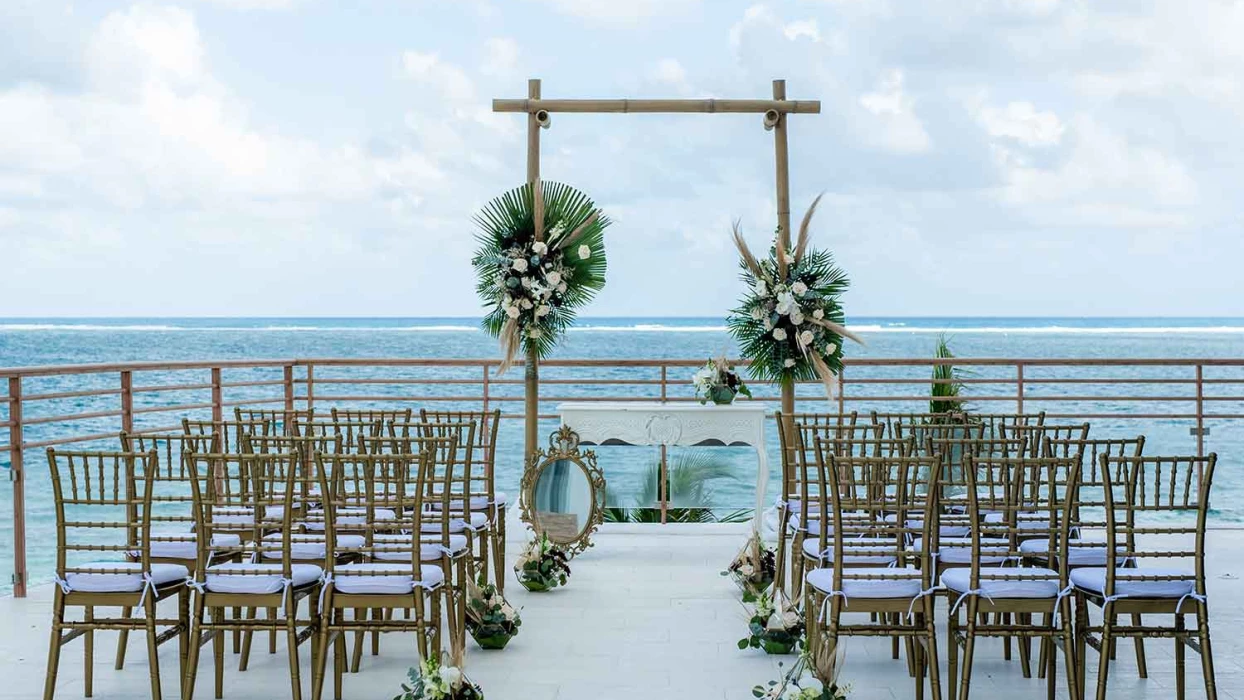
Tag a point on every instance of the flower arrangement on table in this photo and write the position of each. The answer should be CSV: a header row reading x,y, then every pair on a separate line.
x,y
543,565
541,256
824,667
789,324
433,681
491,620
753,569
774,626
717,381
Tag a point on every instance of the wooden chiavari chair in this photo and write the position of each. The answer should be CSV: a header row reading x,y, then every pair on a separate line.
x,y
103,504
1037,434
484,494
1160,499
255,581
229,432
995,424
863,567
392,575
1013,489
281,420
350,432
382,416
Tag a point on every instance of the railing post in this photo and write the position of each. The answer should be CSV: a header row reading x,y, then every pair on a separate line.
x,y
127,401
310,387
17,473
1200,411
218,409
842,393
1019,388
663,467
289,387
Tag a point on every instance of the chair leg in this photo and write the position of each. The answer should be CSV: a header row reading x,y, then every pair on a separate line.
x,y
218,652
1207,655
952,653
122,639
498,550
153,645
930,635
245,658
915,651
339,660
1141,667
237,634
1180,655
1044,649
1005,619
183,636
1070,662
58,614
1081,648
272,632
191,671
320,659
969,648
291,641
378,614
88,652
1107,645
1050,671
356,658
1024,643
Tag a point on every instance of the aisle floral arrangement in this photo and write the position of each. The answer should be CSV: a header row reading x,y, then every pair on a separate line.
x,y
543,565
717,381
774,625
753,569
824,667
490,619
789,323
433,681
541,257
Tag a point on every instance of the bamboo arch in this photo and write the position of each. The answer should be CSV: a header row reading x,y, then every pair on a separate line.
x,y
539,113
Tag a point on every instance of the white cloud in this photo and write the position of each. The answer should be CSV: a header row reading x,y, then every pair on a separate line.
x,y
801,28
899,129
1022,122
624,12
668,71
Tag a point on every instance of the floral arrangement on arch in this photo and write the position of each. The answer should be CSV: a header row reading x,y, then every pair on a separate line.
x,y
541,256
823,665
790,323
434,681
490,619
543,565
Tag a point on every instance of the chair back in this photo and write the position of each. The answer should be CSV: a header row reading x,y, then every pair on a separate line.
x,y
350,432
1037,434
172,500
281,419
1163,500
103,504
371,415
482,452
789,438
230,433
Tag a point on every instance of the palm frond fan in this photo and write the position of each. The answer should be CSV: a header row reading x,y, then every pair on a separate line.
x,y
790,323
541,257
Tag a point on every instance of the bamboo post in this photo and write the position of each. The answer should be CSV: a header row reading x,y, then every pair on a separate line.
x,y
663,470
218,410
127,401
781,159
288,381
531,368
18,475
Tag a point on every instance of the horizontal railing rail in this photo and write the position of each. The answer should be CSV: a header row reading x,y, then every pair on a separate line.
x,y
51,406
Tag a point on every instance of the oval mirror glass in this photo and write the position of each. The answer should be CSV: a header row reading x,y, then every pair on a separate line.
x,y
563,500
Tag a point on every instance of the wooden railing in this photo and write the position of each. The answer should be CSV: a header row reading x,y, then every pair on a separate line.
x,y
77,404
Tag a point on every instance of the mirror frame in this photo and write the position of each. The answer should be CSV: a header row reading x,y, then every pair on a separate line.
x,y
564,445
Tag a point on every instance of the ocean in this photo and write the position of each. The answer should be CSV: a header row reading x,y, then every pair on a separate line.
x,y
55,341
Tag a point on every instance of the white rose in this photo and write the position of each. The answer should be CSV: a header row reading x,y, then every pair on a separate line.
x,y
554,278
561,288
831,348
818,314
768,324
512,311
525,303
797,318
534,333
451,675
585,252
526,282
799,288
761,288
520,265
757,314
779,334
786,303
805,338
539,248
542,311
788,362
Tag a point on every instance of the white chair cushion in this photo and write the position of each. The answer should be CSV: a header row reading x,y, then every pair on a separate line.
x,y
348,517
123,583
187,548
310,547
1094,581
945,529
959,581
958,550
218,581
477,502
1079,554
387,579
1025,521
896,583
428,551
872,555
458,525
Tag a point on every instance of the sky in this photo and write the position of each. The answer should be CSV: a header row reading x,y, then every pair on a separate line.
x,y
315,158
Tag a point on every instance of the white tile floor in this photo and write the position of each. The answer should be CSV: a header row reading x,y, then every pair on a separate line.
x,y
645,615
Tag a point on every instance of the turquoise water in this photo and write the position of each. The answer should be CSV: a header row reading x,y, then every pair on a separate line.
x,y
71,341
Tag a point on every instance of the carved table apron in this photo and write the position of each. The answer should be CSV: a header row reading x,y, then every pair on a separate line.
x,y
680,424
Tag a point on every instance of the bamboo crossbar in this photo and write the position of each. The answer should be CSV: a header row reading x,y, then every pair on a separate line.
x,y
700,106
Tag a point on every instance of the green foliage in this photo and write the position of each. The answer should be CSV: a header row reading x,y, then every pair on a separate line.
x,y
544,566
947,381
506,229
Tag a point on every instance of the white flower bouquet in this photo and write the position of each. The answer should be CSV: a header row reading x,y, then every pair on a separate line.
x,y
433,681
717,381
824,667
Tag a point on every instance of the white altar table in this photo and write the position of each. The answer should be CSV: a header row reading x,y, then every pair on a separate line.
x,y
674,424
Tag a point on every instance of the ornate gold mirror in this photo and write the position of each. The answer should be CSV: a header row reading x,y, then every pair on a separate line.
x,y
563,492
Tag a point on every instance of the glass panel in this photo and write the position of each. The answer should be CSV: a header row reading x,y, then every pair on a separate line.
x,y
563,500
